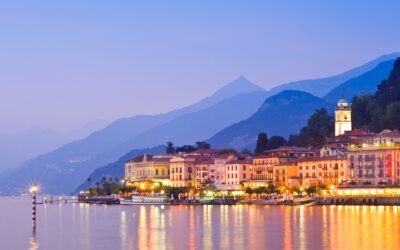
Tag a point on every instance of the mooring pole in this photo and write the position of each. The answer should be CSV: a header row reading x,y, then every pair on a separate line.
x,y
34,209
34,189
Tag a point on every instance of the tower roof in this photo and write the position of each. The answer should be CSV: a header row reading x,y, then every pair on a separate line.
x,y
342,102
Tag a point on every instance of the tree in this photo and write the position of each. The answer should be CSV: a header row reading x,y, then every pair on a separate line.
x,y
227,151
361,111
275,142
246,152
393,115
185,149
202,145
262,142
249,190
293,140
320,126
170,148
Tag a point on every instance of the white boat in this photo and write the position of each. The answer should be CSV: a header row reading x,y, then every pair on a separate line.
x,y
146,200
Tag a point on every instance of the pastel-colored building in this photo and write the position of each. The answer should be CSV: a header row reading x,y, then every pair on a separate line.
x,y
286,174
238,171
376,162
183,171
148,167
203,171
218,174
327,170
263,165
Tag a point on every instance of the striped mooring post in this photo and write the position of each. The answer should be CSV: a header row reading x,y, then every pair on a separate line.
x,y
34,209
34,190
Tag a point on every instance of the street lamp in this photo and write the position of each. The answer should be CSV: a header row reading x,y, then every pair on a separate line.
x,y
34,190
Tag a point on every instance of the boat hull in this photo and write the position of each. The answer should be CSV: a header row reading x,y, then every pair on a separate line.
x,y
144,202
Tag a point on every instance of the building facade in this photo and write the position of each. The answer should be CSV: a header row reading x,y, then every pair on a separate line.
x,y
148,167
183,171
286,174
238,171
325,170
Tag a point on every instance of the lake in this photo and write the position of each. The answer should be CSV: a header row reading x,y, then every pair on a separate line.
x,y
80,226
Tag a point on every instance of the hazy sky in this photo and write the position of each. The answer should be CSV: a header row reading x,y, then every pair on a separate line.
x,y
66,63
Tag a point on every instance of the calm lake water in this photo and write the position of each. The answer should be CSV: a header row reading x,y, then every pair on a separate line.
x,y
79,226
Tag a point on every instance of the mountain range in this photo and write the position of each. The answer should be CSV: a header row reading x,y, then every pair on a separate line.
x,y
231,117
20,147
322,86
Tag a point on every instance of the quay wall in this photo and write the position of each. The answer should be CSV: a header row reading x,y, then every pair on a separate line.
x,y
340,200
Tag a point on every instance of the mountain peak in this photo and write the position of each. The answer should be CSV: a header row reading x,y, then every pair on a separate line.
x,y
239,86
288,97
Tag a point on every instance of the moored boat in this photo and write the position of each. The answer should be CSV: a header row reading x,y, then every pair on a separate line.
x,y
146,200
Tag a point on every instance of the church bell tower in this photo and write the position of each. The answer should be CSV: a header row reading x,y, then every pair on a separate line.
x,y
342,117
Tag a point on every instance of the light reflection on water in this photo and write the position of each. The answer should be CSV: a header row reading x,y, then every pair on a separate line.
x,y
80,226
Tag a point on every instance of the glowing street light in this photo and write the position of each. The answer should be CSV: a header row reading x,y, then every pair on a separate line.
x,y
34,190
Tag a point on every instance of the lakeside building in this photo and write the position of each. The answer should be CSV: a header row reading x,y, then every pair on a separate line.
x,y
327,170
218,171
183,171
148,167
286,174
263,165
238,171
377,161
203,171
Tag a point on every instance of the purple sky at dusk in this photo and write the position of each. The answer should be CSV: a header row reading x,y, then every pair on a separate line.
x,y
66,63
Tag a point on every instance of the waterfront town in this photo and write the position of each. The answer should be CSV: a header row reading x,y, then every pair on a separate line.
x,y
353,162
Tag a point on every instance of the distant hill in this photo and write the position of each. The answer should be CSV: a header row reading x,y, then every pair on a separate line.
x,y
282,114
321,87
62,170
192,127
17,148
117,168
365,83
20,147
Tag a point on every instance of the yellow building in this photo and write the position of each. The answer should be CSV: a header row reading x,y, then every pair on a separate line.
x,y
327,170
263,164
286,174
148,167
183,171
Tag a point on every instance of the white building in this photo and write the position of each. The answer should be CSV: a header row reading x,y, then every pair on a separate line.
x,y
342,117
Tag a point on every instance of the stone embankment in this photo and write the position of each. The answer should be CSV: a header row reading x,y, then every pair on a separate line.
x,y
393,201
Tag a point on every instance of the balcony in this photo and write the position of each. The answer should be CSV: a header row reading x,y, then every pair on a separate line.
x,y
369,176
369,167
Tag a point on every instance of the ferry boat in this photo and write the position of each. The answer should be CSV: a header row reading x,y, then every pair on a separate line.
x,y
146,200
